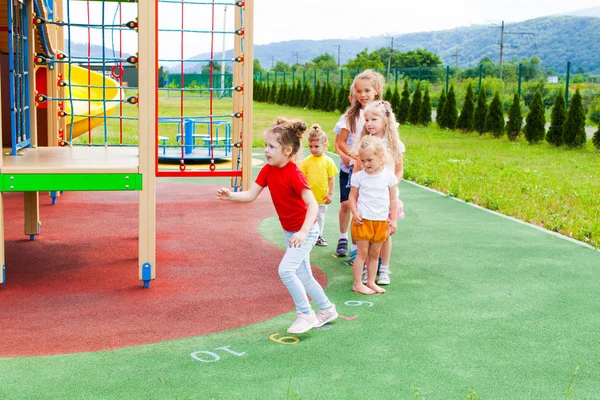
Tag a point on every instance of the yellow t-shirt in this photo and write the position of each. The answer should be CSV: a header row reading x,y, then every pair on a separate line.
x,y
318,171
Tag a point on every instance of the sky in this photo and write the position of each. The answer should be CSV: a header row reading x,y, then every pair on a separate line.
x,y
277,20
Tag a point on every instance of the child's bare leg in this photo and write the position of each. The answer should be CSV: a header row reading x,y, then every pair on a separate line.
x,y
386,251
374,250
357,267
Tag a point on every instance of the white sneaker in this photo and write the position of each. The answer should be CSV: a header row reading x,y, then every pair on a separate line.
x,y
364,275
384,277
325,316
304,322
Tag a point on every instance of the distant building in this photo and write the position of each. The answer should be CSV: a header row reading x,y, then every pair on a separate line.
x,y
553,79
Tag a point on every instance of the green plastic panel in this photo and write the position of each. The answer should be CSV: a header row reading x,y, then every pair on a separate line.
x,y
70,182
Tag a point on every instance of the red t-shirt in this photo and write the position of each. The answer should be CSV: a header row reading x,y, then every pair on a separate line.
x,y
286,185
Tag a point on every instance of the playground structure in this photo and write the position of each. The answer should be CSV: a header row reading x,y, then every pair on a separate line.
x,y
68,128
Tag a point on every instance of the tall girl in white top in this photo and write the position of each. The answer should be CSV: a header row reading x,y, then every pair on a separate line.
x,y
381,122
366,87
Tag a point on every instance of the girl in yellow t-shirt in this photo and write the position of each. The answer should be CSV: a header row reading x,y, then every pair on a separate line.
x,y
320,171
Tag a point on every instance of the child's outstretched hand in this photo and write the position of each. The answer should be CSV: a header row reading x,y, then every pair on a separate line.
x,y
223,194
356,219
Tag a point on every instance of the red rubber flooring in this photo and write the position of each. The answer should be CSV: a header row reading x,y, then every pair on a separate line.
x,y
76,289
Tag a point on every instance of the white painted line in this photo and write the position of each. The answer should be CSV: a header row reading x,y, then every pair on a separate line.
x,y
539,228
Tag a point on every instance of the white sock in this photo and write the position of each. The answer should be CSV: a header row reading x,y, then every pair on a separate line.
x,y
384,267
344,235
353,247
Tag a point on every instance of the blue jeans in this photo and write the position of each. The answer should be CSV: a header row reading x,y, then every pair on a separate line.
x,y
296,274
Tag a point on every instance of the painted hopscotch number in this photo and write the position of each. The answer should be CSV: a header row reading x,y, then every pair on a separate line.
x,y
325,327
284,339
358,303
202,355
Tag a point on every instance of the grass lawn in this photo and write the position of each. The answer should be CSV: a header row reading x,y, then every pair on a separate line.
x,y
555,188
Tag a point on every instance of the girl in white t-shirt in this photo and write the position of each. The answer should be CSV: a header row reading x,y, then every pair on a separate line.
x,y
366,87
381,122
372,196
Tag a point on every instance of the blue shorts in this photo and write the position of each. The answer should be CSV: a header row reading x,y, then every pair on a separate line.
x,y
344,191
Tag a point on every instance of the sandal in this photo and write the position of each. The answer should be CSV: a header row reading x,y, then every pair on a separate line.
x,y
321,242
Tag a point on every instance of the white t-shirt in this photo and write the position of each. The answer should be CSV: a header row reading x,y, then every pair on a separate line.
x,y
352,136
374,193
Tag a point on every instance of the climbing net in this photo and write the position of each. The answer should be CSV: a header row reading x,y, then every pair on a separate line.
x,y
96,104
199,131
207,125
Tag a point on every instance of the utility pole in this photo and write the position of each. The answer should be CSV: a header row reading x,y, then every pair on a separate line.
x,y
390,59
456,70
531,35
339,46
272,62
296,53
501,47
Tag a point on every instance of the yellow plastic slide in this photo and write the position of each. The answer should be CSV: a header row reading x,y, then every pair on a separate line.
x,y
83,106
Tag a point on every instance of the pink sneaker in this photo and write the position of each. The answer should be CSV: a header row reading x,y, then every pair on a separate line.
x,y
303,322
326,315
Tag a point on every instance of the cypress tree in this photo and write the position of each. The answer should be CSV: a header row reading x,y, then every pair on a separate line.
x,y
309,96
425,111
557,120
317,97
480,112
332,98
440,108
342,99
281,94
574,128
387,95
465,121
494,120
449,112
402,114
395,103
328,95
305,100
415,106
323,98
289,100
272,93
596,138
298,94
255,90
535,121
515,119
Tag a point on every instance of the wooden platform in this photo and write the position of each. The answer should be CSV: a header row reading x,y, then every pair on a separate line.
x,y
72,160
71,168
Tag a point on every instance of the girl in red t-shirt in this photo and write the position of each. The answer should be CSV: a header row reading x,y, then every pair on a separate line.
x,y
297,210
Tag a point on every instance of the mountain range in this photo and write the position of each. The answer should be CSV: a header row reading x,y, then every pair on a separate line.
x,y
554,39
